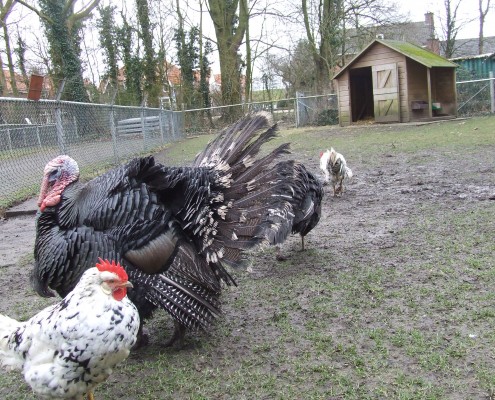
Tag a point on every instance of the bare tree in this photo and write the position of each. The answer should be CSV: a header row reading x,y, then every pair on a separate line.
x,y
451,25
267,36
163,35
63,26
483,11
5,11
327,23
296,70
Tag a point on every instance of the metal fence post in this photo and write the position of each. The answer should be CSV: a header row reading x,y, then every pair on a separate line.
x,y
160,123
58,120
38,135
143,121
296,109
492,92
60,129
9,140
113,132
143,127
173,123
76,131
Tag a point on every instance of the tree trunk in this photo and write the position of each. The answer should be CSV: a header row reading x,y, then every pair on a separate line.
x,y
482,16
204,71
323,52
229,30
62,27
150,87
10,63
450,28
249,73
2,79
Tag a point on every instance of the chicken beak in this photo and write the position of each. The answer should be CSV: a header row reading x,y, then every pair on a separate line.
x,y
127,284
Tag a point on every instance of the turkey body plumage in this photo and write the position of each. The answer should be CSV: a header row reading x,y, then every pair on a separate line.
x,y
67,349
174,229
306,198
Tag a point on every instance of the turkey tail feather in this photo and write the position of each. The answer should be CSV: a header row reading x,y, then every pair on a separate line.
x,y
192,305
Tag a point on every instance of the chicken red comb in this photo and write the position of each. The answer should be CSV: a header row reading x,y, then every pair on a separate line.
x,y
321,154
117,269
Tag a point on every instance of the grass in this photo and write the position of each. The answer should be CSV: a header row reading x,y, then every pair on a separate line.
x,y
348,318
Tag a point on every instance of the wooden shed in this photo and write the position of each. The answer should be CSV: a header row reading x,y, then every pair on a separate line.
x,y
395,81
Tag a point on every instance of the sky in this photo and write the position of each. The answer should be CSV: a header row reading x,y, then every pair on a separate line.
x,y
468,10
415,8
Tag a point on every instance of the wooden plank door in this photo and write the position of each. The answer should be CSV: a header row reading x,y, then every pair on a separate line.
x,y
386,92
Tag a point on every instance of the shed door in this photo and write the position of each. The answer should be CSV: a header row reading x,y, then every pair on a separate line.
x,y
385,92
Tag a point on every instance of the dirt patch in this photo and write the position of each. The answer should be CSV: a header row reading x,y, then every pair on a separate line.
x,y
358,280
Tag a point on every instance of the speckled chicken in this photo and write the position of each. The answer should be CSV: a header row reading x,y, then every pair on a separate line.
x,y
174,229
334,165
67,349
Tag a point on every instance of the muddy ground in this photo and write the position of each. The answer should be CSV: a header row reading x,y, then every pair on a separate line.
x,y
377,221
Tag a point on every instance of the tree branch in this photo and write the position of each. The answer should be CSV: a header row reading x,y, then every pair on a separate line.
x,y
35,10
80,15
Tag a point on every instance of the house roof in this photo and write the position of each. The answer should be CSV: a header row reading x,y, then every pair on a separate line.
x,y
419,32
416,53
469,47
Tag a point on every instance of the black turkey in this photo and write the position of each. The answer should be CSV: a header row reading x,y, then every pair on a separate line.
x,y
174,229
306,197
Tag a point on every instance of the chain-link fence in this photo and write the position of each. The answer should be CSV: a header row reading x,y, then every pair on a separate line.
x,y
303,110
476,97
316,110
201,121
34,132
99,136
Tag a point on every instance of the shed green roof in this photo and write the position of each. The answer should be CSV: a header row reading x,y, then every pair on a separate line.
x,y
416,53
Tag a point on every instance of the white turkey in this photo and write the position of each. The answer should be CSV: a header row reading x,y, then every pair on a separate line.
x,y
174,229
333,164
67,349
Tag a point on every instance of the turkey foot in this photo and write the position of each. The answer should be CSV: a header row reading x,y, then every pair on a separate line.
x,y
143,338
177,337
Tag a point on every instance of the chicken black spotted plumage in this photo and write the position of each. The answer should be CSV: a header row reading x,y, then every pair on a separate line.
x,y
68,348
174,229
306,197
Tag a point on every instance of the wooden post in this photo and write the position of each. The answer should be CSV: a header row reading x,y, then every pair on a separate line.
x,y
428,82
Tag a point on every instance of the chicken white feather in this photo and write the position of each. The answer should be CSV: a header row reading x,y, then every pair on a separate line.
x,y
334,165
67,349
